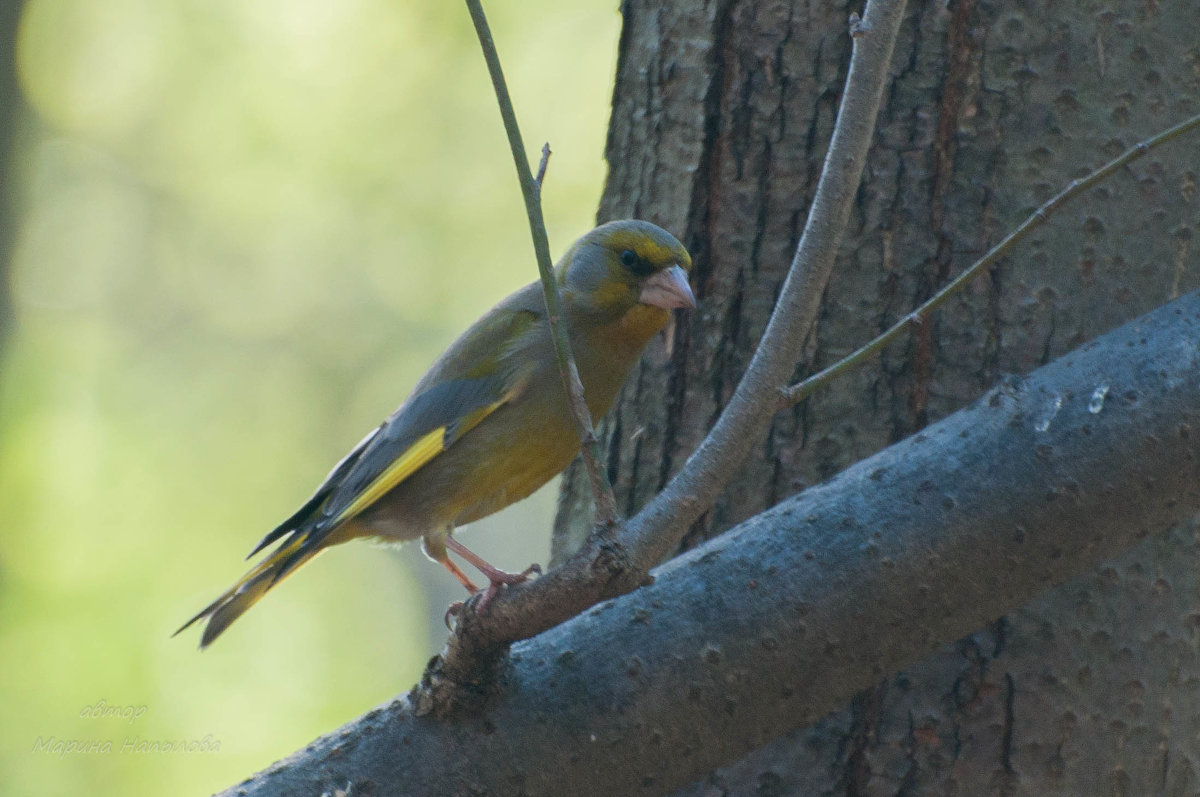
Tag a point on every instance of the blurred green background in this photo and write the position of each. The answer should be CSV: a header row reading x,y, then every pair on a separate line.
x,y
245,230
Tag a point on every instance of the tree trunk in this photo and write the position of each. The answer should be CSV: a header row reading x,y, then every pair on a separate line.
x,y
721,114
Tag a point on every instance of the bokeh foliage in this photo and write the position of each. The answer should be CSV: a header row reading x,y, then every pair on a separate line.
x,y
246,229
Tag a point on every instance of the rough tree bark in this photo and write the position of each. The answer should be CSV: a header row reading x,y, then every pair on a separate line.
x,y
720,116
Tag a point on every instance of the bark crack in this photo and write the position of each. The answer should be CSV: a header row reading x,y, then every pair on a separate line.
x,y
909,782
1006,743
698,232
866,710
945,147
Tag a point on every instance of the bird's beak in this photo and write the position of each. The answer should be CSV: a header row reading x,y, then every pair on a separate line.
x,y
668,289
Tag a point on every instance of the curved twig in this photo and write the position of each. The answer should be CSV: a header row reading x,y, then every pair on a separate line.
x,y
802,390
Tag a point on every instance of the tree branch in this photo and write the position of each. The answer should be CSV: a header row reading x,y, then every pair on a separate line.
x,y
772,625
613,564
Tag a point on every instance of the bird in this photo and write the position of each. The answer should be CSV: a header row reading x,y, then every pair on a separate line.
x,y
489,422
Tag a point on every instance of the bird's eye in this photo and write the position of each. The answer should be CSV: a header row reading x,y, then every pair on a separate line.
x,y
635,264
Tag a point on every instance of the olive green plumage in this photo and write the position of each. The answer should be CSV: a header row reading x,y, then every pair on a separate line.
x,y
489,422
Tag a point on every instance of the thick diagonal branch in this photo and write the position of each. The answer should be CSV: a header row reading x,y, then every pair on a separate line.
x,y
775,623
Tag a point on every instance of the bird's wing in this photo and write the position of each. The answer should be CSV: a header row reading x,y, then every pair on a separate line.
x,y
475,377
424,427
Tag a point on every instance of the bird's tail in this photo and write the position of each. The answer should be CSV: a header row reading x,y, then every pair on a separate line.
x,y
301,546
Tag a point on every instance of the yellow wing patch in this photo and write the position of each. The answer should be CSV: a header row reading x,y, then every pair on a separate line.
x,y
416,456
405,465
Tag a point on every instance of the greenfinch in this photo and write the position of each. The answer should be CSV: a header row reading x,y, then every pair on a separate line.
x,y
489,422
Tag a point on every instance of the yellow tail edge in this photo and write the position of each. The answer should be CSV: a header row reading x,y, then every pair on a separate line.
x,y
238,599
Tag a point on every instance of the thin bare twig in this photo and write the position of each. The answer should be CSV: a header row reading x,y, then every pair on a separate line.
x,y
804,389
606,503
541,172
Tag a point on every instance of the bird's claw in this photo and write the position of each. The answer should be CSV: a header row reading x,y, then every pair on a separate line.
x,y
453,610
499,578
496,579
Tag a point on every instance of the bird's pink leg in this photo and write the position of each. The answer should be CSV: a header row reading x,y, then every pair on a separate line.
x,y
495,576
457,572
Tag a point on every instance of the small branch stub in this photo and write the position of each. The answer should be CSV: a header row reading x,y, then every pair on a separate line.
x,y
857,28
541,172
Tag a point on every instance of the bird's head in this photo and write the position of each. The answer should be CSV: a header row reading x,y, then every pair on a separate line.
x,y
625,266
